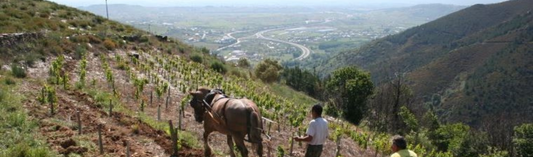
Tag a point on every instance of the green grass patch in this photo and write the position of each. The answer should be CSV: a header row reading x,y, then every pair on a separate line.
x,y
290,94
18,131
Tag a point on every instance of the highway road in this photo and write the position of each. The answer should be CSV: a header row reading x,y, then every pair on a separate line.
x,y
305,51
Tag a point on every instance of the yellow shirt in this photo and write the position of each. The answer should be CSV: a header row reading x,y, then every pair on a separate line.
x,y
404,153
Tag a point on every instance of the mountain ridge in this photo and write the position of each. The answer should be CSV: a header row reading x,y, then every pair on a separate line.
x,y
444,59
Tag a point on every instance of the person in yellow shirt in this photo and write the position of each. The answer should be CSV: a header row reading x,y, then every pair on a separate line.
x,y
399,147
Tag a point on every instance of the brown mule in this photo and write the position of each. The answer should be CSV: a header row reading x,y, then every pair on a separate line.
x,y
235,118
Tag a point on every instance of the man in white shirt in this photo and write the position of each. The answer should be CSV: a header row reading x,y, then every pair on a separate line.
x,y
316,134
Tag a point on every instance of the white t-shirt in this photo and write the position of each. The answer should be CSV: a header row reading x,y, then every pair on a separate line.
x,y
318,128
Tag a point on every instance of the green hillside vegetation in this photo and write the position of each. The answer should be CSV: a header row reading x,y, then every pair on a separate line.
x,y
475,56
472,66
66,30
16,128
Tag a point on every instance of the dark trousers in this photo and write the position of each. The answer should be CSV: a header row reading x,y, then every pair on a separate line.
x,y
313,150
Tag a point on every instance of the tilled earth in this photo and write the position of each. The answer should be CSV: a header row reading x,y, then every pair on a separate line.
x,y
118,130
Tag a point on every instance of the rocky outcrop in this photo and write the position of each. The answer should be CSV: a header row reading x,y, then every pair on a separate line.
x,y
12,39
162,38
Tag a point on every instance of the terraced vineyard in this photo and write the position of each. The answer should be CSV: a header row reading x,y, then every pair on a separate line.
x,y
127,85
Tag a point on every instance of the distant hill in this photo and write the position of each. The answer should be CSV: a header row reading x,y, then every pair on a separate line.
x,y
426,12
123,12
473,63
129,12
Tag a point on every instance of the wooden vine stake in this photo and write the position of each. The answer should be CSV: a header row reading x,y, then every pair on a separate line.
x,y
159,112
142,105
168,97
279,127
110,108
100,143
79,121
292,144
128,154
174,138
269,125
338,150
51,108
180,117
269,151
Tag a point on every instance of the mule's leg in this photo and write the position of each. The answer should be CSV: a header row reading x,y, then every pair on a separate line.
x,y
207,149
259,148
230,145
239,141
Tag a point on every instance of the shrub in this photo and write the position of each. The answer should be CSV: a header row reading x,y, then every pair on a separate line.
x,y
196,58
44,14
81,39
56,50
144,39
205,50
79,85
238,73
280,152
349,88
218,67
98,20
30,59
18,71
243,63
522,140
268,70
181,49
67,46
94,40
9,81
122,66
109,44
3,17
80,52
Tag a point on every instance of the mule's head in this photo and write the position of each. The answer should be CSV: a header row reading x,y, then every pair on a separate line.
x,y
197,104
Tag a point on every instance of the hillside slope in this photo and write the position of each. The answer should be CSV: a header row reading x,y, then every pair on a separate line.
x,y
468,65
129,82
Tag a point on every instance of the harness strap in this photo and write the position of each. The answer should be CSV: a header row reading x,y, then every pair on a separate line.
x,y
209,109
224,113
222,97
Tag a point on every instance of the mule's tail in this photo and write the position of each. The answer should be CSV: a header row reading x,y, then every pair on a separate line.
x,y
255,128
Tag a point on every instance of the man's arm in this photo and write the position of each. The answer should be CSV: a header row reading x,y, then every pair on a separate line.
x,y
306,138
309,134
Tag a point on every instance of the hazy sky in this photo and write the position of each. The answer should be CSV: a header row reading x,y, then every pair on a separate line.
x,y
77,3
